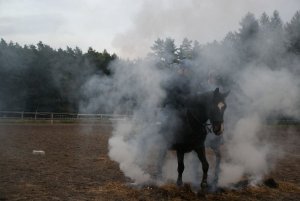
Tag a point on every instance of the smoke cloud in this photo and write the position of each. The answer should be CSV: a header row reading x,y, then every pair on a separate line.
x,y
264,82
248,150
199,20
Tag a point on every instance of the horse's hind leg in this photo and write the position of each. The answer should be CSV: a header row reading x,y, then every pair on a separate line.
x,y
202,157
180,169
217,167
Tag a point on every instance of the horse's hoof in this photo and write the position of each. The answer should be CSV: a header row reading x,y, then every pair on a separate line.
x,y
204,185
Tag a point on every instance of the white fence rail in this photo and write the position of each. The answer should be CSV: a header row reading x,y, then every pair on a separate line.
x,y
59,116
6,115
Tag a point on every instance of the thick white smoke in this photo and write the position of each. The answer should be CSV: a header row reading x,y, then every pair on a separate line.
x,y
136,90
138,144
258,91
248,151
199,20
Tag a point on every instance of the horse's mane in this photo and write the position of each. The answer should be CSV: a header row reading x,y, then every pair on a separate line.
x,y
199,99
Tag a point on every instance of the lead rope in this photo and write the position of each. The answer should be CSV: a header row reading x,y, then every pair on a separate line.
x,y
208,127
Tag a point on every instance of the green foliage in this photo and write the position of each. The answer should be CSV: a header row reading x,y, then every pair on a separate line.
x,y
266,42
185,50
165,51
101,60
169,55
293,33
40,78
249,27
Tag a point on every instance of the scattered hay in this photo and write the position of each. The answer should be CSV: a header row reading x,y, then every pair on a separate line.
x,y
289,187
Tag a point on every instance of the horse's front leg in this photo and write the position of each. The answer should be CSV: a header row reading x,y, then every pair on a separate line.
x,y
202,157
180,168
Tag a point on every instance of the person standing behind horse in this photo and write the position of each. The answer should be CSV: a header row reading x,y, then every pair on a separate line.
x,y
212,141
177,89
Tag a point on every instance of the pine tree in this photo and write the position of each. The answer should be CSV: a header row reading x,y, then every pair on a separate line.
x,y
185,50
293,33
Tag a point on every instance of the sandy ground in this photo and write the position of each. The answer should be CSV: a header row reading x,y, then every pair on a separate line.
x,y
76,167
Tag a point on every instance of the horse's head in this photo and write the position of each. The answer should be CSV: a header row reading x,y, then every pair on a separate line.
x,y
216,111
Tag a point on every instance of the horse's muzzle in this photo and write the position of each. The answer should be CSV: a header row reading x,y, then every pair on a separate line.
x,y
218,128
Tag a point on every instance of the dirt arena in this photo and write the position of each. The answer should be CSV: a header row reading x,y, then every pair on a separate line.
x,y
76,167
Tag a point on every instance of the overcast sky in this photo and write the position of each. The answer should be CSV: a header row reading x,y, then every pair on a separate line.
x,y
128,27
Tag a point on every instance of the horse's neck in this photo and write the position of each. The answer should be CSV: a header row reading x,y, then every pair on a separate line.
x,y
202,115
203,100
199,107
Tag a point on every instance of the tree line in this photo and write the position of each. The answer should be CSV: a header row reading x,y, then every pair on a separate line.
x,y
40,78
268,34
265,41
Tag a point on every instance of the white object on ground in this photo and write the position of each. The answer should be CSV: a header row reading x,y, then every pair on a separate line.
x,y
38,152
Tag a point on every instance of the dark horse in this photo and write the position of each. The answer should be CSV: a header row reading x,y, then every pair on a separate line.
x,y
191,133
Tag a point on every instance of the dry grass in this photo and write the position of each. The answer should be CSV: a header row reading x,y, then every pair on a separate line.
x,y
76,167
121,191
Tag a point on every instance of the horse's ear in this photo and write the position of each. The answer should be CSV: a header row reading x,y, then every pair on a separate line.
x,y
226,93
216,91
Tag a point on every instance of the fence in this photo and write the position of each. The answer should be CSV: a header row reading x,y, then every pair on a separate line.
x,y
10,115
48,116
